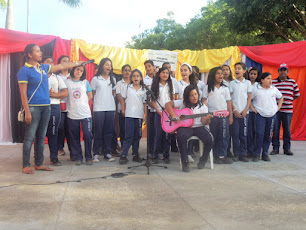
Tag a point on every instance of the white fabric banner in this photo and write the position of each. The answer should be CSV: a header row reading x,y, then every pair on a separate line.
x,y
5,100
160,56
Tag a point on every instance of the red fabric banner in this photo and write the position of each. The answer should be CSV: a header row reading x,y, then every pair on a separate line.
x,y
61,47
298,123
293,54
14,41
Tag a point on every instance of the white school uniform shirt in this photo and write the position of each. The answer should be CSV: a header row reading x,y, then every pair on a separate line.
x,y
196,110
175,84
119,87
134,101
78,106
239,91
255,83
148,82
182,86
56,83
217,99
201,87
103,99
225,82
64,100
264,100
164,96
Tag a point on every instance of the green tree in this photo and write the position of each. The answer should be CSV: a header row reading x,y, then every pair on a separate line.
x,y
2,4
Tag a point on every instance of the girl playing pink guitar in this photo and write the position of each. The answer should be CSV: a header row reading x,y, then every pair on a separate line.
x,y
199,127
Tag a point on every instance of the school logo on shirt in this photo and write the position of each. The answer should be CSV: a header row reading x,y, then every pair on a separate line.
x,y
77,94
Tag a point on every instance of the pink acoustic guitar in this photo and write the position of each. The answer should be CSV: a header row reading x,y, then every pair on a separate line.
x,y
186,118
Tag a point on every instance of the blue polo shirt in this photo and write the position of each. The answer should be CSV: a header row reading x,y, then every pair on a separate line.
x,y
31,75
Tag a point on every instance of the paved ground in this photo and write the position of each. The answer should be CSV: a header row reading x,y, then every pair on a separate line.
x,y
257,196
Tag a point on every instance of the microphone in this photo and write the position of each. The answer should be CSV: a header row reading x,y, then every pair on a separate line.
x,y
88,62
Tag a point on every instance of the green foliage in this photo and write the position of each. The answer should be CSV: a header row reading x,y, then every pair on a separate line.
x,y
227,23
2,4
72,3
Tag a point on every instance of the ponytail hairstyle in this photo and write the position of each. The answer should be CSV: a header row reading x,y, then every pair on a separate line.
x,y
156,81
100,70
244,67
230,77
28,50
186,99
140,73
83,77
211,79
258,73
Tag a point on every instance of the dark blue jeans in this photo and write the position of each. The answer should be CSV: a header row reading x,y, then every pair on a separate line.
x,y
52,132
162,139
184,133
122,128
283,119
251,133
133,133
264,127
103,133
219,128
75,138
151,131
63,132
36,131
240,126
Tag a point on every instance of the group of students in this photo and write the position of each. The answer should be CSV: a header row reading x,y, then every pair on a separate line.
x,y
252,105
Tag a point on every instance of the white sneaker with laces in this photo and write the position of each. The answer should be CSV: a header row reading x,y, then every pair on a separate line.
x,y
109,157
96,159
190,159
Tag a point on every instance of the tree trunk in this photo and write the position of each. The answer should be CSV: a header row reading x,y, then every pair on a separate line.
x,y
9,24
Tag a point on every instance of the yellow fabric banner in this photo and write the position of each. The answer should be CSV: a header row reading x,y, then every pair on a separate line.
x,y
205,59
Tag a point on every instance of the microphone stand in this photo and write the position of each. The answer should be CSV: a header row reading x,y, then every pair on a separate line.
x,y
148,162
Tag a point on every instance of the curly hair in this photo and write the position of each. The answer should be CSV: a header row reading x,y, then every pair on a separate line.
x,y
211,80
156,81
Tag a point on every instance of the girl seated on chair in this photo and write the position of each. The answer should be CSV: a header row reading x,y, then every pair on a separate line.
x,y
199,129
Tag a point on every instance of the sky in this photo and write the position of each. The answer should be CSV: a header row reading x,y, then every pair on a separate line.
x,y
110,23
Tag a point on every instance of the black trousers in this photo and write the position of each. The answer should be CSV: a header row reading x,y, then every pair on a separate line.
x,y
203,133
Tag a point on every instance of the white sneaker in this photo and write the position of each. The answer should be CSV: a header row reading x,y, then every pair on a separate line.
x,y
190,159
109,157
96,159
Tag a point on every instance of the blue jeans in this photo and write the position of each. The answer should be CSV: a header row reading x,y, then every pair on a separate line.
x,y
122,128
103,132
151,131
36,130
285,120
75,138
52,131
133,133
240,126
219,128
162,139
264,127
251,133
63,132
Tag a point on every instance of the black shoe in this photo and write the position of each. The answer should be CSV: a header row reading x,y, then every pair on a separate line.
x,y
185,167
174,149
230,154
243,159
201,163
155,161
136,158
255,159
78,163
274,152
55,162
167,161
250,155
223,160
89,162
265,158
235,159
288,152
123,160
115,153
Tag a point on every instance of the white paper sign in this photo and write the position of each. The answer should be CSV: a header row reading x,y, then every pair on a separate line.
x,y
161,56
